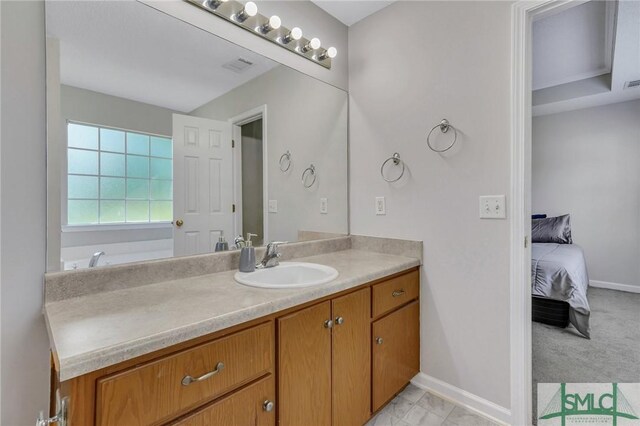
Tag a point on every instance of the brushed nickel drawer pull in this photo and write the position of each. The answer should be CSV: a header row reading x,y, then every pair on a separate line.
x,y
187,380
398,293
379,340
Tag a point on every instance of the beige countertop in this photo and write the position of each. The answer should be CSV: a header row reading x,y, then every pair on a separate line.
x,y
94,331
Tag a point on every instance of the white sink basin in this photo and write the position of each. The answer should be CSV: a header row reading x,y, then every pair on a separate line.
x,y
288,275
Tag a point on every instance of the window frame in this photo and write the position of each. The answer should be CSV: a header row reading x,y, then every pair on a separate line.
x,y
112,226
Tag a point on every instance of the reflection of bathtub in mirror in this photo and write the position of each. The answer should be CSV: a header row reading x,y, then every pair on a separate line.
x,y
116,253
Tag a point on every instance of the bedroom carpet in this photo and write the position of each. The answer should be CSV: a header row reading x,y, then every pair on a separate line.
x,y
612,354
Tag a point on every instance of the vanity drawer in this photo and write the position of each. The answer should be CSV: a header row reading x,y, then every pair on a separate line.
x,y
160,390
395,292
248,406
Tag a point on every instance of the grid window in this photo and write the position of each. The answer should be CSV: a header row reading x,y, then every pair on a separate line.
x,y
117,176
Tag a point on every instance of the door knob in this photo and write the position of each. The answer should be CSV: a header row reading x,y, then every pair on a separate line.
x,y
328,324
379,340
267,405
179,223
339,320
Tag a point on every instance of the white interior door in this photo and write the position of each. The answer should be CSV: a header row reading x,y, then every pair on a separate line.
x,y
202,184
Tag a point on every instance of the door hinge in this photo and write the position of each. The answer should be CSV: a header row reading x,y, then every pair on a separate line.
x,y
233,143
233,208
526,241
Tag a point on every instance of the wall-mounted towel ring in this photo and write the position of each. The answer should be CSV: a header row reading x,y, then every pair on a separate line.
x,y
444,128
311,170
285,161
396,161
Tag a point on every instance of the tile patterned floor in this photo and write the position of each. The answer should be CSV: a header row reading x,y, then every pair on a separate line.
x,y
416,407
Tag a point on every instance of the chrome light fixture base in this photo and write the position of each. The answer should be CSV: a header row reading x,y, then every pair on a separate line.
x,y
228,10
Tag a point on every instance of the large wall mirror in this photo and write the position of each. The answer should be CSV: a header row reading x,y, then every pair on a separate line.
x,y
162,138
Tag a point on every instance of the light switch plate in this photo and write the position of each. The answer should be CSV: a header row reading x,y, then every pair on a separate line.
x,y
273,206
324,208
492,207
381,207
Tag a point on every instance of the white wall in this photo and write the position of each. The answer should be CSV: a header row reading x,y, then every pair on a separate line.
x,y
587,163
25,355
309,118
314,22
410,65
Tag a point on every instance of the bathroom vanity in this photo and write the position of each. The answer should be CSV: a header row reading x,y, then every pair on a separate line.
x,y
216,352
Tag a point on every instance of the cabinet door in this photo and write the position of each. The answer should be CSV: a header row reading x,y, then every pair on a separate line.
x,y
396,352
247,406
351,358
304,367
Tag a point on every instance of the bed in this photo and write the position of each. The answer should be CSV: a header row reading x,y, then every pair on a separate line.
x,y
559,284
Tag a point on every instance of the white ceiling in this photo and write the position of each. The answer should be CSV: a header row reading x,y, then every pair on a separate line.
x,y
572,45
349,11
584,55
129,50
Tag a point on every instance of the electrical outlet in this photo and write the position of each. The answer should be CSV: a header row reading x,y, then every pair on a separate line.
x,y
324,208
492,207
273,206
381,208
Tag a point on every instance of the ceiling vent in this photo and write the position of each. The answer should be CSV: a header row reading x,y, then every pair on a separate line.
x,y
630,84
239,65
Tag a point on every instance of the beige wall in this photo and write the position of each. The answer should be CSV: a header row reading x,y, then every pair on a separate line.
x,y
309,118
587,163
410,65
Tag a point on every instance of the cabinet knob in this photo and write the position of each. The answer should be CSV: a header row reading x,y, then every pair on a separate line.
x,y
179,223
379,340
339,320
328,324
267,405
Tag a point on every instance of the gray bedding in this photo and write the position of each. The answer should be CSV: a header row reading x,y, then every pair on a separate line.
x,y
559,271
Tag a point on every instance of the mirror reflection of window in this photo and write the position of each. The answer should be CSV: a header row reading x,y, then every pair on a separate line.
x,y
117,176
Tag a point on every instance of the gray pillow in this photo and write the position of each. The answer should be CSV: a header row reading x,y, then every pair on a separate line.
x,y
552,230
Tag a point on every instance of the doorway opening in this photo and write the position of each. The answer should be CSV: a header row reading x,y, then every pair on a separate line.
x,y
250,153
251,159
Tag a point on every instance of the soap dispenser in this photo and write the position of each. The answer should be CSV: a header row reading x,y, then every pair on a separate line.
x,y
248,255
222,244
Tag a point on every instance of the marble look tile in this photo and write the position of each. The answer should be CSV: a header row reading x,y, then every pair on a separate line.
x,y
436,405
385,418
461,417
399,406
418,416
412,393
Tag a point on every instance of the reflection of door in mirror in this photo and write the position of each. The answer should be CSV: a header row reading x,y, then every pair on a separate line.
x,y
252,180
203,182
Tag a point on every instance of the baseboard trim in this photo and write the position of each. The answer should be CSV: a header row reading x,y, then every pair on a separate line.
x,y
615,286
471,402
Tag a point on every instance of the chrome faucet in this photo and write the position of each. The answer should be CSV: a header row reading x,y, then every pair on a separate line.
x,y
95,258
271,255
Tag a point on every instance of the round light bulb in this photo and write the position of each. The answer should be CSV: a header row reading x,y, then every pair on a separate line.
x,y
296,33
315,43
251,9
332,52
275,22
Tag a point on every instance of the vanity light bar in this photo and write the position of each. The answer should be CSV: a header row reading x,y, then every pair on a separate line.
x,y
246,16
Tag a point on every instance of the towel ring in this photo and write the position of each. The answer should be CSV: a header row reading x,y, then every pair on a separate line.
x,y
444,128
309,170
285,158
396,160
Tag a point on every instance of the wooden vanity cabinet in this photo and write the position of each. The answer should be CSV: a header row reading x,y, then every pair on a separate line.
x,y
324,363
396,337
331,362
